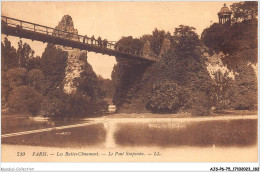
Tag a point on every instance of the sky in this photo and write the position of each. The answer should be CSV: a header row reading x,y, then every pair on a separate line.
x,y
112,20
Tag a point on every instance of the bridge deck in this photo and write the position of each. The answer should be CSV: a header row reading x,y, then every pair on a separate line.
x,y
24,29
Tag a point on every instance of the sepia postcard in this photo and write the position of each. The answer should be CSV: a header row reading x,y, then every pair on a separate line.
x,y
129,81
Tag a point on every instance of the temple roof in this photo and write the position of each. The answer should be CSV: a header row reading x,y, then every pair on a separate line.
x,y
224,10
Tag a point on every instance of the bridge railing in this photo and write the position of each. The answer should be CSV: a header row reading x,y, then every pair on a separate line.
x,y
76,37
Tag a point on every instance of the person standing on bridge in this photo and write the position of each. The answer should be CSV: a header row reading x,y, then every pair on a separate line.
x,y
92,39
105,43
84,39
99,41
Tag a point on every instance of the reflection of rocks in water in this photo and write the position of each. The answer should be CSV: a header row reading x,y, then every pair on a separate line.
x,y
209,133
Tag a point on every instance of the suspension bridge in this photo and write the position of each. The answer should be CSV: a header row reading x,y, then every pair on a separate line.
x,y
33,31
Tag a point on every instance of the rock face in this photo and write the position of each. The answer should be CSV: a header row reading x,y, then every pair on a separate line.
x,y
66,24
147,49
76,58
215,64
166,46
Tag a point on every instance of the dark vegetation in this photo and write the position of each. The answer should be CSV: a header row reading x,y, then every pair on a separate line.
x,y
180,81
35,84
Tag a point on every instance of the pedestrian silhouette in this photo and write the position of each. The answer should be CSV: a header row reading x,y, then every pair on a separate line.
x,y
99,41
84,39
92,39
105,43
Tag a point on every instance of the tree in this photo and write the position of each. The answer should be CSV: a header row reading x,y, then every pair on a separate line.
x,y
5,88
54,108
25,99
129,42
165,97
34,63
185,41
107,85
214,37
36,79
25,53
157,40
186,66
17,77
54,62
90,91
245,89
244,10
9,58
222,90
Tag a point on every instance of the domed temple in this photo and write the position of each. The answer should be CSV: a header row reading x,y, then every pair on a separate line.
x,y
224,15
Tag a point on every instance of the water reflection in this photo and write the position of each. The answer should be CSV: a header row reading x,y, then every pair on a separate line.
x,y
18,124
204,133
120,133
72,137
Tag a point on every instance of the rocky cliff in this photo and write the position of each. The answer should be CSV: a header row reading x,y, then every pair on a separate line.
x,y
76,58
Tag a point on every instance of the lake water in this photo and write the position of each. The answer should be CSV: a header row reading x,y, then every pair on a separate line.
x,y
110,133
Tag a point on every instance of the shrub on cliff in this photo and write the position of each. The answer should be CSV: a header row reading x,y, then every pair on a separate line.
x,y
25,99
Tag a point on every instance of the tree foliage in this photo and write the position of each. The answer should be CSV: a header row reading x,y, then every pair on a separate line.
x,y
9,58
25,99
244,10
245,89
108,86
54,62
222,90
24,53
17,77
165,97
185,40
231,39
54,107
36,79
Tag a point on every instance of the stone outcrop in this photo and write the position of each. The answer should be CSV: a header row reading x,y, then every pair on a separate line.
x,y
214,64
147,49
66,24
76,58
166,46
